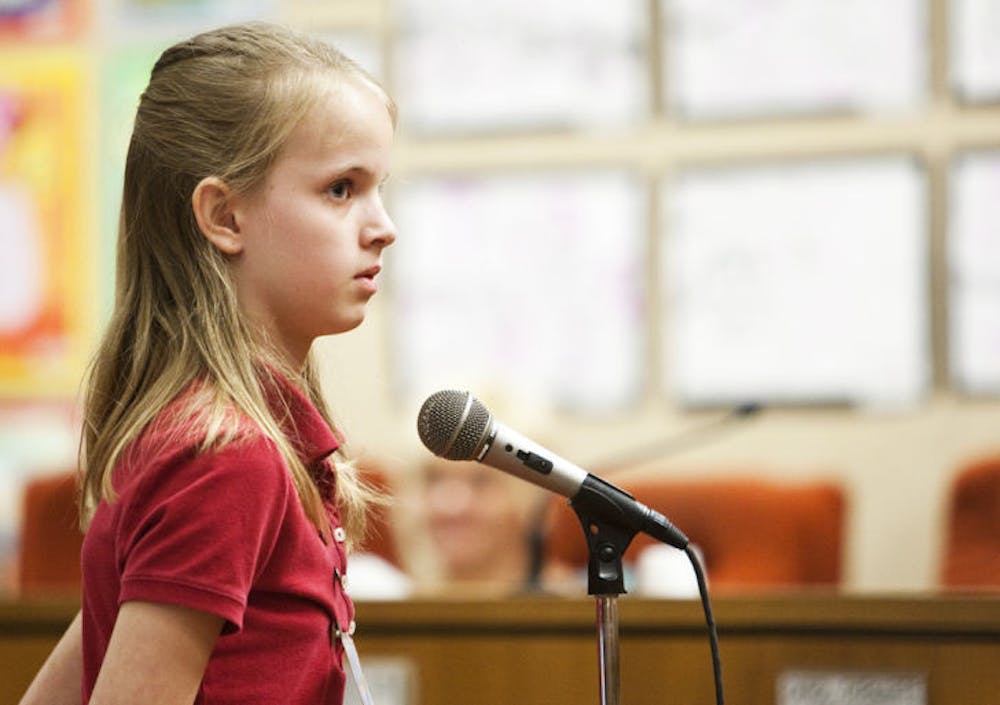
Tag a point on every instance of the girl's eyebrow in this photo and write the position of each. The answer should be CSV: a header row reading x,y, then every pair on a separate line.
x,y
349,169
356,170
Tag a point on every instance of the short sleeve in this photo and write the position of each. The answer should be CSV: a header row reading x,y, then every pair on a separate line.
x,y
196,530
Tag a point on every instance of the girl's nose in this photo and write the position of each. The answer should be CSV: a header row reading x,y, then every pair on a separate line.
x,y
380,231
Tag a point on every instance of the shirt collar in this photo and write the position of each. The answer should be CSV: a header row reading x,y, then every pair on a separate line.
x,y
305,426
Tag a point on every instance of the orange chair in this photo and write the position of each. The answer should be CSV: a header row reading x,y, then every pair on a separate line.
x,y
972,539
49,553
380,539
752,533
50,541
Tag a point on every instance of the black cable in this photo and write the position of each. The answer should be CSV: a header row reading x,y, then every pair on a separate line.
x,y
713,636
677,442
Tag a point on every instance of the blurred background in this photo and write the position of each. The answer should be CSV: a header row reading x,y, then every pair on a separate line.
x,y
712,243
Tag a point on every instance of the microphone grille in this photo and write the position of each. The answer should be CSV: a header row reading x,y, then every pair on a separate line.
x,y
453,424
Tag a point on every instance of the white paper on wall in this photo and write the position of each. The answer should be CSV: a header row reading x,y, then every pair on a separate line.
x,y
974,273
975,49
529,283
492,65
797,283
746,58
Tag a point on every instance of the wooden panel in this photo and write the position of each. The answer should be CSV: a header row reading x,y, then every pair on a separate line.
x,y
544,651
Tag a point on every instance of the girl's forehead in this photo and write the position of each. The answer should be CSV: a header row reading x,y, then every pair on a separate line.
x,y
350,119
346,106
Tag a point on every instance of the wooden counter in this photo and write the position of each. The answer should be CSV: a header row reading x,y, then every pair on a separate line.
x,y
543,651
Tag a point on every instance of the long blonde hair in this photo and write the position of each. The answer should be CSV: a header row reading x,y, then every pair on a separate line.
x,y
223,104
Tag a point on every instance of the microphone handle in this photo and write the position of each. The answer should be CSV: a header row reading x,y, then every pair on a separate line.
x,y
507,450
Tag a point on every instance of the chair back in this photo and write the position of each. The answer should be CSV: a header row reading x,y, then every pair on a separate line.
x,y
750,532
50,537
972,527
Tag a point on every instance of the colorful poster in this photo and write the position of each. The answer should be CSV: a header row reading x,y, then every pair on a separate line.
x,y
176,18
41,19
45,273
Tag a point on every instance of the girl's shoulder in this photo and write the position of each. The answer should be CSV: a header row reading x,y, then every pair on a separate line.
x,y
199,422
177,457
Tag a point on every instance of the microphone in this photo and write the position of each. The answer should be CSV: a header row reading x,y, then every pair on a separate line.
x,y
457,426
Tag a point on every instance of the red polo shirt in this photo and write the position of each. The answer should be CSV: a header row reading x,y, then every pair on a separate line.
x,y
224,532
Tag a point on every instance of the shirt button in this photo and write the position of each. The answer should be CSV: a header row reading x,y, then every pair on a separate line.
x,y
343,582
351,628
339,534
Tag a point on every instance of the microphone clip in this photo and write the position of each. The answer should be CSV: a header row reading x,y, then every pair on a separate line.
x,y
607,541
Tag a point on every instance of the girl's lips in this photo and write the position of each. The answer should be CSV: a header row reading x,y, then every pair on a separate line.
x,y
367,279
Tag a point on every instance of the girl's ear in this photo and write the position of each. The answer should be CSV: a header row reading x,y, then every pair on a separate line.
x,y
212,204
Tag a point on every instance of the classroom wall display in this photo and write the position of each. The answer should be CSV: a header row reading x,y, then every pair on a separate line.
x,y
975,51
797,283
725,59
974,273
46,283
33,20
464,67
533,283
176,18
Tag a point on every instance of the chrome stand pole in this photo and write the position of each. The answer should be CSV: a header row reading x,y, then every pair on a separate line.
x,y
607,640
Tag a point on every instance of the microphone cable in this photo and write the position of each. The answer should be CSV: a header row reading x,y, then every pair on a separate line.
x,y
713,634
683,440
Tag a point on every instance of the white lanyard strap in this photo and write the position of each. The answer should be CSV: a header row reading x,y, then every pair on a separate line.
x,y
359,677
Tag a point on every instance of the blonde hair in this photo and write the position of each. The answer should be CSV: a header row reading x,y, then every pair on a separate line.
x,y
222,104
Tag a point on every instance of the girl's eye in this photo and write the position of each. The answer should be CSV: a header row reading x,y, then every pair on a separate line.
x,y
340,189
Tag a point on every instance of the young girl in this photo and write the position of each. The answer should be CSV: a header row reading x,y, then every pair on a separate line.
x,y
252,222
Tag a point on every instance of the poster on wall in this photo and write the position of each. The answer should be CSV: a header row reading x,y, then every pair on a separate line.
x,y
974,273
797,283
46,274
35,20
528,284
974,50
493,66
733,60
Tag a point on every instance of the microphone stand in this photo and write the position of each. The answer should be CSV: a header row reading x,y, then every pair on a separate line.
x,y
606,544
